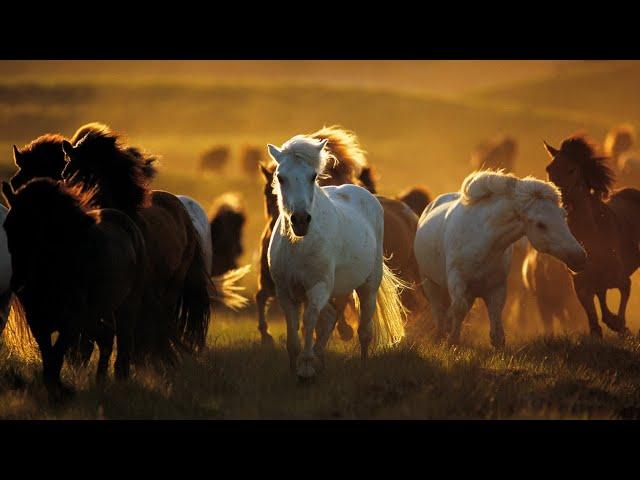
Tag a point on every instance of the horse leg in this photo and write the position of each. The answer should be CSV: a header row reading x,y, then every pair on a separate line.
x,y
585,295
495,304
104,339
344,329
56,389
546,315
460,305
367,296
262,301
326,324
439,300
625,292
317,298
5,307
291,311
125,328
608,317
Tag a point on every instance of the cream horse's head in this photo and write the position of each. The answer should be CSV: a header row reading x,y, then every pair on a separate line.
x,y
299,160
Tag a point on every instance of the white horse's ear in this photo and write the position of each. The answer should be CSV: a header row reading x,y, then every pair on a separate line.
x,y
322,144
17,156
275,152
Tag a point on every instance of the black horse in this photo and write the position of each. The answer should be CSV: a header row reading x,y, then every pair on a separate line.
x,y
75,271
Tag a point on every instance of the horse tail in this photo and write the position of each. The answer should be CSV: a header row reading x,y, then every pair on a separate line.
x,y
390,316
226,291
195,306
17,334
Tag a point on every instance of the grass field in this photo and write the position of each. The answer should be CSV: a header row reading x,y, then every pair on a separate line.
x,y
413,136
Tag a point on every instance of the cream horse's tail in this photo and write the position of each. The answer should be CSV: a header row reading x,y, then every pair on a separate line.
x,y
226,290
390,316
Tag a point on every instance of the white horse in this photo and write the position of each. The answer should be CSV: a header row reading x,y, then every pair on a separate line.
x,y
201,222
326,244
5,272
464,243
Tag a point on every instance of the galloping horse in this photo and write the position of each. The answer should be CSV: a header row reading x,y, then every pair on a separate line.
x,y
607,224
464,244
326,244
350,166
549,281
75,270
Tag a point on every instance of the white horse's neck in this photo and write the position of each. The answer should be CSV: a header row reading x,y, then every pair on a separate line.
x,y
507,226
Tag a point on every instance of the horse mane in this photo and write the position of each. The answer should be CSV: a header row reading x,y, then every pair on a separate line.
x,y
597,174
619,140
305,149
484,184
349,158
69,206
47,143
126,171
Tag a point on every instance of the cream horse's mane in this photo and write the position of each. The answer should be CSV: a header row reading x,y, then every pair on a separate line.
x,y
484,184
305,149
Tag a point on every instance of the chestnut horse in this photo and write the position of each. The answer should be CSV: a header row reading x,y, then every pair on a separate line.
x,y
606,223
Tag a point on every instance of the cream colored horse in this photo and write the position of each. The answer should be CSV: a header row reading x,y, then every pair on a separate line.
x,y
464,244
326,244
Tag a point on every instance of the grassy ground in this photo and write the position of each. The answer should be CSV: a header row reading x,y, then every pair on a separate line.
x,y
411,138
545,377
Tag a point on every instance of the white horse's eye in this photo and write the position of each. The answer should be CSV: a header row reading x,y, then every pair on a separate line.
x,y
313,177
541,226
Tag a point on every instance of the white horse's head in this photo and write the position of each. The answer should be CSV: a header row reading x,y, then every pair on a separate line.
x,y
545,222
299,160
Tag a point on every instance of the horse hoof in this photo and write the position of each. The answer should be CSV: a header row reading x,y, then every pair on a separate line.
x,y
498,343
345,331
625,333
596,331
61,394
306,371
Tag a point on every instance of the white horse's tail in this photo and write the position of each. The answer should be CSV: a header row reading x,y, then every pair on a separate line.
x,y
226,291
17,334
390,316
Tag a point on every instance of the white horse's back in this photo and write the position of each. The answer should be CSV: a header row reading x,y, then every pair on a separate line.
x,y
201,223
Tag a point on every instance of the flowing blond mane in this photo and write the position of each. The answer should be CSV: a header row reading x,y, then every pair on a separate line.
x,y
485,184
305,149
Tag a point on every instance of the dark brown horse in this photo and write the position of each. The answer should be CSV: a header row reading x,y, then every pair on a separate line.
x,y
214,159
227,218
417,198
75,270
43,157
177,273
348,166
607,224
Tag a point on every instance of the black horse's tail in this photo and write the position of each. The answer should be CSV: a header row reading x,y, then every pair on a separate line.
x,y
195,306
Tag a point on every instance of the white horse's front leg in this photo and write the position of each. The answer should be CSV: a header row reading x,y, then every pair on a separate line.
x,y
495,304
291,311
317,298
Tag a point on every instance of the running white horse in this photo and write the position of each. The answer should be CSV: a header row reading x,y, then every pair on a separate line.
x,y
201,222
326,244
464,244
5,272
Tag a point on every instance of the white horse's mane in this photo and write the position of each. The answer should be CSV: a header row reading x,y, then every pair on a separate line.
x,y
483,184
305,149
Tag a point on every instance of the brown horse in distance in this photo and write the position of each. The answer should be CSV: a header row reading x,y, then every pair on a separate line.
x,y
496,153
417,198
227,218
606,223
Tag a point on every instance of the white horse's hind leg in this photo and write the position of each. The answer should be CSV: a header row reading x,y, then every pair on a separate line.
x,y
367,295
460,305
439,300
495,304
317,298
292,315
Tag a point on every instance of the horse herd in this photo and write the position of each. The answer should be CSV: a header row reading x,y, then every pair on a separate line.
x,y
93,253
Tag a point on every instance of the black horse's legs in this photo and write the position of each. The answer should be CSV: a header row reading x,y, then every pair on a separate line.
x,y
104,339
125,326
262,301
52,359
